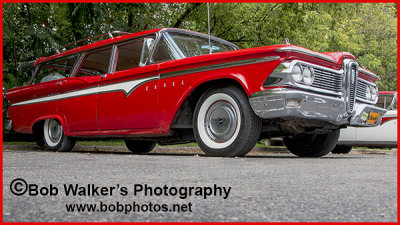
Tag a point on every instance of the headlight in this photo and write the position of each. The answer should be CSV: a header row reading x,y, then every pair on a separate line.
x,y
374,93
368,93
371,93
297,73
308,76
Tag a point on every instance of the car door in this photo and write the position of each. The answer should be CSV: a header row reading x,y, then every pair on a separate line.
x,y
128,97
79,105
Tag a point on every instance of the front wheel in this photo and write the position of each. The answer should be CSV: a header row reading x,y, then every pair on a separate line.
x,y
54,137
140,147
312,145
224,123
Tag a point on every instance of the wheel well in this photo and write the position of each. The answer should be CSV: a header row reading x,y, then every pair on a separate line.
x,y
184,116
37,129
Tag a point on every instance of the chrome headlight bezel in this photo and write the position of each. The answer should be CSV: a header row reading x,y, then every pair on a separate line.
x,y
308,75
368,93
374,93
297,73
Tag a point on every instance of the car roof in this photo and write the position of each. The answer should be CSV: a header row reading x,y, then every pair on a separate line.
x,y
96,45
119,38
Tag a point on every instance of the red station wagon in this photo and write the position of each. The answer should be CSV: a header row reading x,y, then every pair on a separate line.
x,y
171,86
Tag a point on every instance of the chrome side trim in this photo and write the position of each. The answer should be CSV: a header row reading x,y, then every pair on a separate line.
x,y
220,66
305,52
361,70
126,87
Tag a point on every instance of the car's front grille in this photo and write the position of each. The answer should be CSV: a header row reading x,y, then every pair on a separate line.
x,y
353,84
327,80
350,88
362,89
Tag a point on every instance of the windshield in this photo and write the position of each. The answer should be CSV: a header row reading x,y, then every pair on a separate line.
x,y
174,45
192,45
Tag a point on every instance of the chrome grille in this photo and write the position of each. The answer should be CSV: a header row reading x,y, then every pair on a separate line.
x,y
353,84
327,80
351,77
361,89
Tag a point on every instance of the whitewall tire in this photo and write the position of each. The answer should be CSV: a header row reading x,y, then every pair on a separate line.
x,y
224,123
54,137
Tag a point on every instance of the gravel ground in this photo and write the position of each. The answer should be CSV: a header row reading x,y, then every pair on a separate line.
x,y
264,186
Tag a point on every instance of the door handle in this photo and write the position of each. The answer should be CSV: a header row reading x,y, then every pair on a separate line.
x,y
59,82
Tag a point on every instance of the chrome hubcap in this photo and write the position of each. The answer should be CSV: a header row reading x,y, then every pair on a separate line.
x,y
221,121
55,131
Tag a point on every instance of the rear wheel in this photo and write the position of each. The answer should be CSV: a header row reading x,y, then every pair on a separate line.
x,y
54,137
140,147
312,145
342,149
224,123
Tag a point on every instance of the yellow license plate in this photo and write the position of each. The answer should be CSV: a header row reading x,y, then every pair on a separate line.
x,y
373,117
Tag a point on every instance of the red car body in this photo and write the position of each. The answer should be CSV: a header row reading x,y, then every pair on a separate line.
x,y
145,101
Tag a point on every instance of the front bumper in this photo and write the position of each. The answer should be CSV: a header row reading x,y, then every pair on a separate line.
x,y
293,104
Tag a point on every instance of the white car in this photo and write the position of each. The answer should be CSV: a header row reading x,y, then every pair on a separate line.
x,y
384,135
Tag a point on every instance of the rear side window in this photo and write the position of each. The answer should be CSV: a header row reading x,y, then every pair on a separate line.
x,y
56,69
95,63
134,53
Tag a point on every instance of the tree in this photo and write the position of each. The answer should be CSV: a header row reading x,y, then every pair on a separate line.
x,y
369,31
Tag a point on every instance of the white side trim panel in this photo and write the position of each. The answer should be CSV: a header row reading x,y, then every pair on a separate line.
x,y
127,87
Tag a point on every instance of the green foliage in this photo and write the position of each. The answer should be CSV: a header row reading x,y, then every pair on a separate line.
x,y
369,31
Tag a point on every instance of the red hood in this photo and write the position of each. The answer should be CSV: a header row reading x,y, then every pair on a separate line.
x,y
338,56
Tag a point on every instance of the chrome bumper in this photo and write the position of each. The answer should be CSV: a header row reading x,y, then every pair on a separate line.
x,y
294,104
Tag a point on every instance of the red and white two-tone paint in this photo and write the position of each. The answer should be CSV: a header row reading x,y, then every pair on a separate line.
x,y
173,86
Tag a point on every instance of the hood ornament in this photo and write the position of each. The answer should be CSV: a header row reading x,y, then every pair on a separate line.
x,y
287,41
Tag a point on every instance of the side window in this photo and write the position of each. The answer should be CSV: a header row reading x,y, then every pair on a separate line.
x,y
95,63
163,52
56,69
134,53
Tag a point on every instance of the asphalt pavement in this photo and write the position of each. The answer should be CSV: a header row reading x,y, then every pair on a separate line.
x,y
181,185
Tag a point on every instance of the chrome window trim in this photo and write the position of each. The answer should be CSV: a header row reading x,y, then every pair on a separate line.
x,y
35,72
177,30
305,52
85,53
178,54
77,64
161,32
113,60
